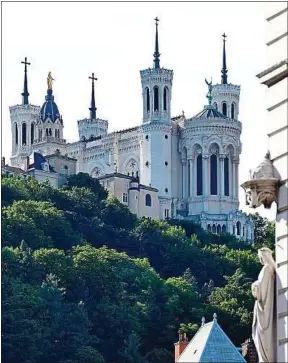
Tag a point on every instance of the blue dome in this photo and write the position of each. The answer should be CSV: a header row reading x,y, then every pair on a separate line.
x,y
49,108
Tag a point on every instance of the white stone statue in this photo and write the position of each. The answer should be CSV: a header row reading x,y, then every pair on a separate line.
x,y
263,326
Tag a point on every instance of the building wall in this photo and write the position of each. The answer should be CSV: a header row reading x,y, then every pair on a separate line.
x,y
42,176
275,78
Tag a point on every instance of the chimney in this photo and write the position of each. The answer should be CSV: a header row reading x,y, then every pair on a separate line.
x,y
180,345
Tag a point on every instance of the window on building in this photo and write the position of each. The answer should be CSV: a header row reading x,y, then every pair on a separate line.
x,y
233,229
213,174
16,134
156,98
147,99
46,132
32,133
223,229
233,110
165,98
166,212
215,105
50,132
213,228
148,200
125,198
238,228
224,108
199,175
218,229
209,227
40,135
226,176
24,134
243,232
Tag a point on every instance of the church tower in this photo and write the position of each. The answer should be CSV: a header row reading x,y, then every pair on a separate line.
x,y
89,128
155,151
24,119
226,95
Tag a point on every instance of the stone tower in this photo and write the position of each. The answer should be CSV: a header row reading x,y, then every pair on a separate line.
x,y
155,132
89,128
24,118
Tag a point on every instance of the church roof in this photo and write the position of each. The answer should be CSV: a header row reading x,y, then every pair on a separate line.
x,y
49,109
209,111
36,161
210,344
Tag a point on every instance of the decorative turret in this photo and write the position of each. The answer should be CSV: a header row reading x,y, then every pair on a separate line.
x,y
92,127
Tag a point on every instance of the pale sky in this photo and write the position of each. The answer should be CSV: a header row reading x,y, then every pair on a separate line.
x,y
116,41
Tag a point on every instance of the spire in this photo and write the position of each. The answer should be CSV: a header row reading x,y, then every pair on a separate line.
x,y
93,107
25,93
224,69
156,53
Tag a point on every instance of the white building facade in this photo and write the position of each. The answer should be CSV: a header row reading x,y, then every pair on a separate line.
x,y
191,162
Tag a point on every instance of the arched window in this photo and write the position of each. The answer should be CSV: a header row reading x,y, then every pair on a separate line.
x,y
243,234
215,105
156,98
233,229
32,133
16,134
50,132
199,175
147,99
46,132
233,110
224,108
218,229
165,98
238,228
213,174
213,228
40,135
24,134
209,227
223,229
226,176
148,200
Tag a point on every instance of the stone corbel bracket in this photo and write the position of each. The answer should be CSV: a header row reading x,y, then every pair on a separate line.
x,y
262,187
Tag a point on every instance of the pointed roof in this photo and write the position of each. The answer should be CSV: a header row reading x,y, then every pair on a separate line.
x,y
25,94
210,344
224,70
156,53
93,108
209,111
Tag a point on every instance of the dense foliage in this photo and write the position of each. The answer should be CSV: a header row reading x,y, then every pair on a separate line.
x,y
84,280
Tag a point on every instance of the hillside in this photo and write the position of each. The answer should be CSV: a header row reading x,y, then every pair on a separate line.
x,y
85,281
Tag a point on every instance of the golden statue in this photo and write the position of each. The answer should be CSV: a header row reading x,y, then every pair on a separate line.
x,y
50,80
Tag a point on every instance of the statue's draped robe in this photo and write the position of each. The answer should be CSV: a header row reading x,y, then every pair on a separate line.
x,y
263,321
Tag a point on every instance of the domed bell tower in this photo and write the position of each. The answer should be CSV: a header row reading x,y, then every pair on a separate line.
x,y
155,151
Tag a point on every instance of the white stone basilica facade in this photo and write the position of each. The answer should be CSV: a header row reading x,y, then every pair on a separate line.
x,y
167,167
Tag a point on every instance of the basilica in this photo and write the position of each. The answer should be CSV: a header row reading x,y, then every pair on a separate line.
x,y
167,167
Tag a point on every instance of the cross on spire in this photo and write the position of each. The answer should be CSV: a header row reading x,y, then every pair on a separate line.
x,y
156,53
224,70
25,94
93,108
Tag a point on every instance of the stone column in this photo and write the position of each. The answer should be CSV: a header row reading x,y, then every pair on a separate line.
x,y
236,179
205,174
233,179
192,182
222,175
184,178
